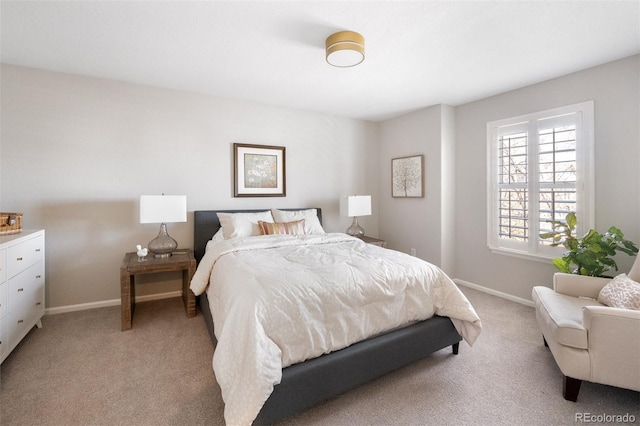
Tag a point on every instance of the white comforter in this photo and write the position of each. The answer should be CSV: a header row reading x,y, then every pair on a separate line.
x,y
279,300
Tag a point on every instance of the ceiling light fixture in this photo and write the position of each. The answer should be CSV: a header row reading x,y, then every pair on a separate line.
x,y
345,49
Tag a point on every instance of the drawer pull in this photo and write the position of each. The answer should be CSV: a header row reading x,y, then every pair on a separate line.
x,y
21,289
37,250
19,258
20,321
38,303
38,276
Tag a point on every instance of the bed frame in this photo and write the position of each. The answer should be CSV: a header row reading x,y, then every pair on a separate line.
x,y
308,383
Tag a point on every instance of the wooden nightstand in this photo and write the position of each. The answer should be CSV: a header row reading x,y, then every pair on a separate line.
x,y
180,261
374,241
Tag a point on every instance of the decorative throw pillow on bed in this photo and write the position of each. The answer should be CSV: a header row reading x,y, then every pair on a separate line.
x,y
621,292
282,228
312,223
236,225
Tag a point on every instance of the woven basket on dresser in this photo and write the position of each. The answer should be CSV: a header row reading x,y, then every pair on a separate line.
x,y
10,223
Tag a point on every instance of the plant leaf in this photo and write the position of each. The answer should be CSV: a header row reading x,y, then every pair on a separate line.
x,y
594,248
572,220
616,232
630,246
561,265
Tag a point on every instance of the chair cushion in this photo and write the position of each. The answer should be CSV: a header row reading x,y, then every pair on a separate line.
x,y
561,316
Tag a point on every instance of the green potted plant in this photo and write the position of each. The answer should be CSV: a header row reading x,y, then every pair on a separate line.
x,y
590,255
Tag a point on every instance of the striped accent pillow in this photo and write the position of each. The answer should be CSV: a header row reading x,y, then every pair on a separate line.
x,y
282,228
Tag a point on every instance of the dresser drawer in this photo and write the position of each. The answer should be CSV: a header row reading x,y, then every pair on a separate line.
x,y
21,256
26,304
25,289
17,323
4,299
4,342
3,265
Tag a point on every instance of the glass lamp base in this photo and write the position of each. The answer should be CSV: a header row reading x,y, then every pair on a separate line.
x,y
163,245
355,230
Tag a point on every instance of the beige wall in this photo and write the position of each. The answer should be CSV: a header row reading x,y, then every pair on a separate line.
x,y
448,227
615,89
77,153
426,224
415,222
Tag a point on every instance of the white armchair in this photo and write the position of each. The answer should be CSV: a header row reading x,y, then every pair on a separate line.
x,y
589,341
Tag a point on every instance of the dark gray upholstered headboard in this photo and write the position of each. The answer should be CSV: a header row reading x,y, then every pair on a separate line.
x,y
206,224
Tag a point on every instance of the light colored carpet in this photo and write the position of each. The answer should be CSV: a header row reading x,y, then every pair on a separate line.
x,y
80,369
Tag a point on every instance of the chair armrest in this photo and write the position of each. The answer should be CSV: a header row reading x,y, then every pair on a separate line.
x,y
578,285
607,313
614,342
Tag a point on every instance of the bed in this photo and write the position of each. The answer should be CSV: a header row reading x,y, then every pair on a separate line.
x,y
308,382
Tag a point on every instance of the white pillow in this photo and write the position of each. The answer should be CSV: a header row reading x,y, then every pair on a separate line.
x,y
218,236
216,239
236,225
311,223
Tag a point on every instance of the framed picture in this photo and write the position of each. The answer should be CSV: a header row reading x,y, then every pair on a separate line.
x,y
259,170
407,177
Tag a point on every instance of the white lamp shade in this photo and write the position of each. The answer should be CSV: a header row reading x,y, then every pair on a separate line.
x,y
355,205
163,208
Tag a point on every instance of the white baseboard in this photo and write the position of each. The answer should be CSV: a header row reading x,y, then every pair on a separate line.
x,y
178,293
494,292
106,303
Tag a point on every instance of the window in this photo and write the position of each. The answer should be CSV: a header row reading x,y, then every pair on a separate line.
x,y
540,167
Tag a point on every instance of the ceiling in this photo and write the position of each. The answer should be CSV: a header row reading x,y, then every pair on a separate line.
x,y
418,53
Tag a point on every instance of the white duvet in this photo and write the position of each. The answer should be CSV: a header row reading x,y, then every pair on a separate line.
x,y
279,300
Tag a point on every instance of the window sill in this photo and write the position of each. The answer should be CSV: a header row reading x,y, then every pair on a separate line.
x,y
538,257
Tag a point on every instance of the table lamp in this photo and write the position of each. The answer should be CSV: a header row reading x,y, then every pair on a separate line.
x,y
163,209
354,206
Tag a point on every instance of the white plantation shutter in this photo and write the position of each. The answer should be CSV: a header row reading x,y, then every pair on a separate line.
x,y
540,167
513,183
557,166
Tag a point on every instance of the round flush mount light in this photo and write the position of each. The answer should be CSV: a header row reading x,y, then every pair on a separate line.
x,y
345,49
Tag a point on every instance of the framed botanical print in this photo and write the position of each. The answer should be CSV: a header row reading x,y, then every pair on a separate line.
x,y
259,170
407,177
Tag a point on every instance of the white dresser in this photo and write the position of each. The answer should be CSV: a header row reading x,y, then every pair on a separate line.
x,y
21,287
